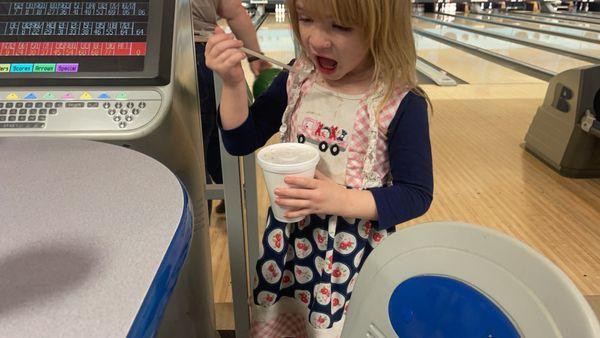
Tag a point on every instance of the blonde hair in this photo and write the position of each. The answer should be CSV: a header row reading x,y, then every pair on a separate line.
x,y
386,26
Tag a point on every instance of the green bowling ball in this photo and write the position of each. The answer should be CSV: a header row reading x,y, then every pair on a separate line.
x,y
264,80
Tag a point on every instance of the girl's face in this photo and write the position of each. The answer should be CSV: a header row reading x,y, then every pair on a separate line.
x,y
339,53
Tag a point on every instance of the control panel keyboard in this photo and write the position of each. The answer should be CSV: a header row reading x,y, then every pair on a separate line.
x,y
77,111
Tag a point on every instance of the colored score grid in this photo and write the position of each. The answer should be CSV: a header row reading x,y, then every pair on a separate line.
x,y
64,49
73,48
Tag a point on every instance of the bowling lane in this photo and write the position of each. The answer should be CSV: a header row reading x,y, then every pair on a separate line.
x,y
532,25
528,55
592,15
276,38
562,43
541,19
455,61
565,16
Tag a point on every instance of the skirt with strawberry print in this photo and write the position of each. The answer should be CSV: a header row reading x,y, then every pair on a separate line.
x,y
306,271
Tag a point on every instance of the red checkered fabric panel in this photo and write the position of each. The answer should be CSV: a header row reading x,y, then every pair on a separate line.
x,y
285,325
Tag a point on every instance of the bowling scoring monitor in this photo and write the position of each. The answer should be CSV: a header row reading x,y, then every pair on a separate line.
x,y
54,41
88,44
117,71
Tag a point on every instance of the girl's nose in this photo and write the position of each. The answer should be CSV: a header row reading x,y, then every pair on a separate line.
x,y
320,41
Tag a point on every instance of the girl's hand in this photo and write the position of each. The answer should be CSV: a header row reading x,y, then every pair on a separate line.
x,y
319,195
224,57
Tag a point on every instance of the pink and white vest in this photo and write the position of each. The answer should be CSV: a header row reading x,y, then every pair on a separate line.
x,y
368,159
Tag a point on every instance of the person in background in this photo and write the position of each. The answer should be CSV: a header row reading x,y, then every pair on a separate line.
x,y
207,11
355,83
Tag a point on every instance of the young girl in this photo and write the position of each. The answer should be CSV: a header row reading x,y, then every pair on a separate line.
x,y
352,93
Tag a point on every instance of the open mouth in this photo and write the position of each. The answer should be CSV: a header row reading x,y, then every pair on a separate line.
x,y
326,65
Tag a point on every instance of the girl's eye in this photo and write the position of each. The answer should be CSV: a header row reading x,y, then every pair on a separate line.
x,y
342,28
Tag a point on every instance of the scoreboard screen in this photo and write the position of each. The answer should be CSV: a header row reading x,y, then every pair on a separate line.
x,y
78,40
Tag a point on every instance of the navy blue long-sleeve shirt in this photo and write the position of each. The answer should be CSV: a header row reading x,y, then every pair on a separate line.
x,y
409,148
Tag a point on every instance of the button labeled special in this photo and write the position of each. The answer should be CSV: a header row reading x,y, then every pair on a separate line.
x,y
67,67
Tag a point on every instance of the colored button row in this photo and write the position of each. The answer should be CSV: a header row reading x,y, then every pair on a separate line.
x,y
39,67
66,96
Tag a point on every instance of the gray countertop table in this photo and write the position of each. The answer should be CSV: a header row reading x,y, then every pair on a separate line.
x,y
92,239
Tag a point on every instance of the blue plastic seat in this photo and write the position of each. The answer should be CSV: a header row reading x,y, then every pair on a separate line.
x,y
456,280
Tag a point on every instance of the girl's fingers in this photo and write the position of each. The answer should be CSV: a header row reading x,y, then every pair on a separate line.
x,y
302,182
217,39
230,57
292,203
222,46
225,61
213,40
297,213
293,193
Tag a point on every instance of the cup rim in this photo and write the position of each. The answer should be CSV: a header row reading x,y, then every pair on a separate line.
x,y
286,168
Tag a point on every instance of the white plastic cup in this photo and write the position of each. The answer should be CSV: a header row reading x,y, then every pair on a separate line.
x,y
286,159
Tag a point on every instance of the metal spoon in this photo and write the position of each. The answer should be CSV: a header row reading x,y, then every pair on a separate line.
x,y
208,30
